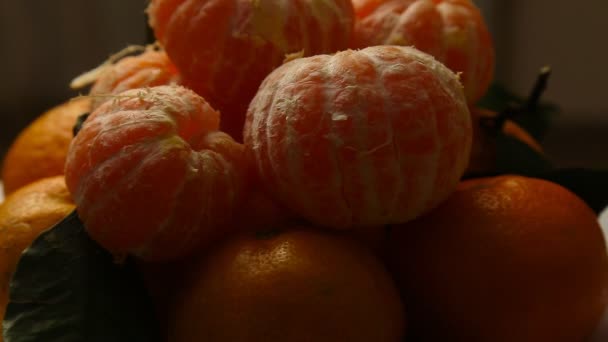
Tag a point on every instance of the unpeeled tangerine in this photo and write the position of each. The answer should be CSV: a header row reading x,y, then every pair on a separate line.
x,y
368,137
151,175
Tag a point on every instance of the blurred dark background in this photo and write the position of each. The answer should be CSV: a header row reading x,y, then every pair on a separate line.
x,y
569,37
45,44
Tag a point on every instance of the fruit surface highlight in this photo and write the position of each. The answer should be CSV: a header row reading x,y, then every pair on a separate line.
x,y
507,258
297,284
40,149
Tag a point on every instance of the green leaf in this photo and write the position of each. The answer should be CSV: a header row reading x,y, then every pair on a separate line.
x,y
536,121
514,156
67,288
590,185
497,98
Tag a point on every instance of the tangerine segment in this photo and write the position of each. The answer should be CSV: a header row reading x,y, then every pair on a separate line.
x,y
225,48
366,137
453,31
149,69
150,174
507,258
300,284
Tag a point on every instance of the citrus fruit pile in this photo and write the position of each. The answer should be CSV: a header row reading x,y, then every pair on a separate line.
x,y
292,170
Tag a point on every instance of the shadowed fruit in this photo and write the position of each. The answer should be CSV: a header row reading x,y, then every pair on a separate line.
x,y
292,285
41,148
453,31
374,237
503,259
162,281
152,176
149,69
25,214
259,211
483,150
225,48
360,138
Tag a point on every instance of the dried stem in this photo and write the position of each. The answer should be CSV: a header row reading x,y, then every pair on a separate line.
x,y
539,88
516,109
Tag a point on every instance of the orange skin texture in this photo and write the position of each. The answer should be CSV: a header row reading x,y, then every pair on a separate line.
x,y
256,212
40,149
225,48
503,259
149,69
25,214
152,176
296,285
483,151
382,143
453,31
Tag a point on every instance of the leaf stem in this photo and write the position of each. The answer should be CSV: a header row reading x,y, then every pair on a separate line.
x,y
539,88
514,109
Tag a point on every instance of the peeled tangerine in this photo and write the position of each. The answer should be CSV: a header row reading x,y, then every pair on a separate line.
x,y
149,69
368,137
225,48
453,31
151,175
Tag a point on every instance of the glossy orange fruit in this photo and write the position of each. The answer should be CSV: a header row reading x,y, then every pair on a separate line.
x,y
453,31
150,68
503,259
295,285
225,48
152,176
40,149
360,138
25,214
